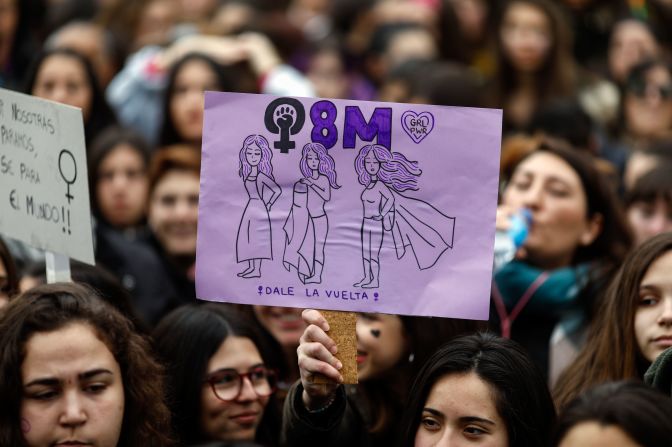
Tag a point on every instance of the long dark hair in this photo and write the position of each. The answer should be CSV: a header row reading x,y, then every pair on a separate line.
x,y
186,339
7,260
611,351
615,238
557,77
225,82
101,114
388,394
109,140
643,413
520,394
51,307
606,253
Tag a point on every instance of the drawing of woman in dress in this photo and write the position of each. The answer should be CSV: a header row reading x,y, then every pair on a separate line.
x,y
254,240
307,225
411,222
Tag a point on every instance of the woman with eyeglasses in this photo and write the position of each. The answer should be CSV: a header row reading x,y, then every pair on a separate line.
x,y
219,386
646,107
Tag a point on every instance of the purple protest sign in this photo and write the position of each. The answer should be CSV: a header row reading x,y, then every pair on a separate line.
x,y
348,205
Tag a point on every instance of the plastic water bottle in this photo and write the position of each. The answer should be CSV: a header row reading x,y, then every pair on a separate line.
x,y
507,242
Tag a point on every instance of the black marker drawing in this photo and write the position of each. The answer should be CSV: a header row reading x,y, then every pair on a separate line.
x,y
411,222
307,225
284,116
68,173
417,125
254,241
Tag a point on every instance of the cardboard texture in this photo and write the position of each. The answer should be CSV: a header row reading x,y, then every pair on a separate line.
x,y
342,327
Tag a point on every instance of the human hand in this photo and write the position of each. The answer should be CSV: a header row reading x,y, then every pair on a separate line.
x,y
306,181
224,50
503,217
316,356
260,52
503,223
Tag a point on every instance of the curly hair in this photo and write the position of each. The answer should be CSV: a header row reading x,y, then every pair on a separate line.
x,y
51,307
265,166
396,171
327,166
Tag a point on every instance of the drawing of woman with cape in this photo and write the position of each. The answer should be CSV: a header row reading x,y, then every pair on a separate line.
x,y
254,241
412,223
307,225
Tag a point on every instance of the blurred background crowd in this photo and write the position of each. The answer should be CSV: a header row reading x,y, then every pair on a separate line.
x,y
586,89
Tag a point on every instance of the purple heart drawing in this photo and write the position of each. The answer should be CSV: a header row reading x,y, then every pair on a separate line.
x,y
417,125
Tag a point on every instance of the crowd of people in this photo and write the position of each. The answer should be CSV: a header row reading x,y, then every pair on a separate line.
x,y
576,347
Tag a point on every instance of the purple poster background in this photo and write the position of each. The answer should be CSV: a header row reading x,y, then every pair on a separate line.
x,y
418,241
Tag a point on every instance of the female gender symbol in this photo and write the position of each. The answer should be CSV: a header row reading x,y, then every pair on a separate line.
x,y
69,173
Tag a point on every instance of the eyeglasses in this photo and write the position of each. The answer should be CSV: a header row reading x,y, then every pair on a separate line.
x,y
642,89
227,384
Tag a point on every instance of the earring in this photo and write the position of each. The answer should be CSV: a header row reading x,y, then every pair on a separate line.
x,y
411,357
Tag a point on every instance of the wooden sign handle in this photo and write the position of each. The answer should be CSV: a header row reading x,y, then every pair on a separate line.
x,y
342,329
58,267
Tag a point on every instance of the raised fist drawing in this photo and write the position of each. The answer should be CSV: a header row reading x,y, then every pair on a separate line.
x,y
285,116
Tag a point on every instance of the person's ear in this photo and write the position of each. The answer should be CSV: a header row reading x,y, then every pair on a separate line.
x,y
593,229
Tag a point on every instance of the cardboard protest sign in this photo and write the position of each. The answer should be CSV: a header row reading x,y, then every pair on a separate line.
x,y
43,181
348,205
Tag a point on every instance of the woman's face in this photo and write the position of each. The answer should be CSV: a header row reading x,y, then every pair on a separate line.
x,y
63,79
653,318
235,420
596,434
631,43
472,16
381,343
186,102
327,73
312,160
284,323
155,23
173,212
460,411
122,187
648,106
371,163
648,219
548,186
253,154
73,393
526,37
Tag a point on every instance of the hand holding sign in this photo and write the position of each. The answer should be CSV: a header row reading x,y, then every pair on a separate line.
x,y
316,355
